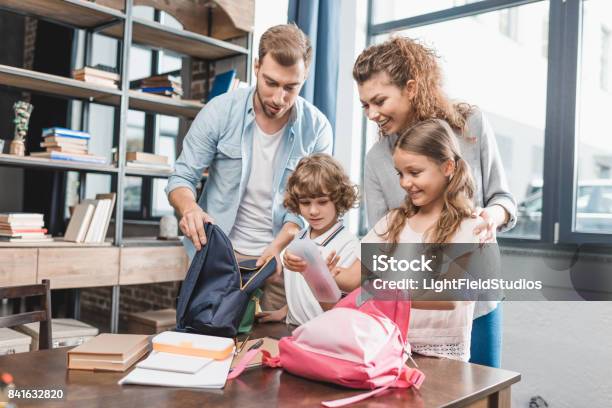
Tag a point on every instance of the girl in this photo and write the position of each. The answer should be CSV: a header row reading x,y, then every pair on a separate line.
x,y
437,209
400,84
321,192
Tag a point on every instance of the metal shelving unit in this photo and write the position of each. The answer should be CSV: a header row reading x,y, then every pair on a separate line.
x,y
122,25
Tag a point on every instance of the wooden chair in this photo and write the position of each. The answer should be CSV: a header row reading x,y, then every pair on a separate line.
x,y
41,291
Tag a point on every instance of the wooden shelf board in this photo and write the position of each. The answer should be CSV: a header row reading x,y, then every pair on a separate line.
x,y
164,105
149,242
156,35
130,171
41,162
58,242
73,13
57,85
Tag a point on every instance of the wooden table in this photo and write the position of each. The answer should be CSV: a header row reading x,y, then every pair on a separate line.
x,y
449,384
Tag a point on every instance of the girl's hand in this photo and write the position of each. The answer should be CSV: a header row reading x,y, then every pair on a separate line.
x,y
293,262
487,228
332,261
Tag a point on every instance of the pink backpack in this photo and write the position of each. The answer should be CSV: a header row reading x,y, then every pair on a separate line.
x,y
354,346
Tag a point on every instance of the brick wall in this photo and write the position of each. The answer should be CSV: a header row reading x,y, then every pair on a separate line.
x,y
96,302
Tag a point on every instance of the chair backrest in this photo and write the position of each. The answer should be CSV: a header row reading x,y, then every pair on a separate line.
x,y
41,291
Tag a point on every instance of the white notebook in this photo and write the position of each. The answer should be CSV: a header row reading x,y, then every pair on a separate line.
x,y
173,362
212,375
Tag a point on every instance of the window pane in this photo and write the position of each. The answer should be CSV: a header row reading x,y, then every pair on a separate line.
x,y
165,145
593,201
135,131
140,63
133,194
497,84
389,10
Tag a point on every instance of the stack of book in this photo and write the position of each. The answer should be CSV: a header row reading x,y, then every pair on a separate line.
x,y
90,220
147,161
166,85
184,360
67,144
99,75
112,352
23,227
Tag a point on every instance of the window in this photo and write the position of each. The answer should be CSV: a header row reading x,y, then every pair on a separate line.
x,y
547,98
497,84
593,159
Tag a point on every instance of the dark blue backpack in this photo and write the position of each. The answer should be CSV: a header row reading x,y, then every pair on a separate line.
x,y
216,291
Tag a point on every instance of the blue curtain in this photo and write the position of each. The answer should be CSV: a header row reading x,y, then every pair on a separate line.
x,y
320,20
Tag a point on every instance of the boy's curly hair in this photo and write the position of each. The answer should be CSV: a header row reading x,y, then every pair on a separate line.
x,y
319,175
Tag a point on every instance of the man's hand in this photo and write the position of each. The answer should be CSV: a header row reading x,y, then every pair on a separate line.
x,y
272,251
192,224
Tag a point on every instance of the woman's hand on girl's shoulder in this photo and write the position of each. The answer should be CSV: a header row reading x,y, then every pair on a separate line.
x,y
485,226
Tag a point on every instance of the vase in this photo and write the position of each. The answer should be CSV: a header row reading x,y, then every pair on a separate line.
x,y
17,148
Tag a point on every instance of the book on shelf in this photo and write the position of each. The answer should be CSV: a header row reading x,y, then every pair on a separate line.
x,y
24,240
222,83
82,158
64,141
146,157
68,150
90,219
21,218
148,166
97,81
79,222
96,72
112,352
63,132
31,233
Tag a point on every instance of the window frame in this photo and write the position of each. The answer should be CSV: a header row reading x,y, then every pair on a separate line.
x,y
560,133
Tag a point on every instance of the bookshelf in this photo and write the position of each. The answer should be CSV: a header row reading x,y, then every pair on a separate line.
x,y
212,31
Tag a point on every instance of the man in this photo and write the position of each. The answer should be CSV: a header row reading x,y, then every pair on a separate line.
x,y
251,140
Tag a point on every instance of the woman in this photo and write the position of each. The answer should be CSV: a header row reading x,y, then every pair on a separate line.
x,y
400,84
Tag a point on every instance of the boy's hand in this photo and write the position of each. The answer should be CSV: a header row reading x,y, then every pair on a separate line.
x,y
294,262
272,251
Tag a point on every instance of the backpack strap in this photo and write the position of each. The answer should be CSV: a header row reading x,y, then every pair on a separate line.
x,y
410,377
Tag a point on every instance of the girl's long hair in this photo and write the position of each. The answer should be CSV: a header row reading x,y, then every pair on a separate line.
x,y
404,59
435,139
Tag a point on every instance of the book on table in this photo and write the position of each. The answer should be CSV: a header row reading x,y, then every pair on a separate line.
x,y
111,352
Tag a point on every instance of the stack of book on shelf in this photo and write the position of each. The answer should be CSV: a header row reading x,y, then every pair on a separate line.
x,y
184,360
98,75
111,352
147,161
67,144
166,85
90,220
23,227
225,82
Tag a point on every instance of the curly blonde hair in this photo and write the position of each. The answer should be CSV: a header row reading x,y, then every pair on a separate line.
x,y
435,139
320,175
404,59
